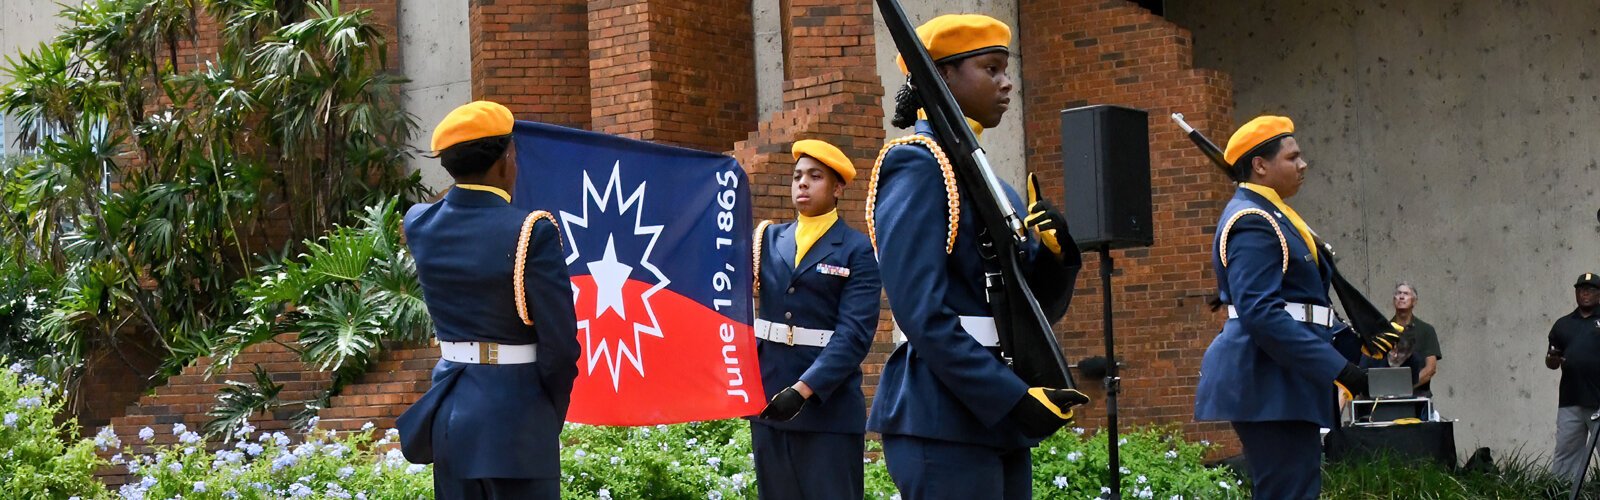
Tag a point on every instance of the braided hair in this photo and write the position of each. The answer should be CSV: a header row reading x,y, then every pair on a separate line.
x,y
906,103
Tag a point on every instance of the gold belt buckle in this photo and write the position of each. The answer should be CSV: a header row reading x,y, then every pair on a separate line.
x,y
791,335
489,353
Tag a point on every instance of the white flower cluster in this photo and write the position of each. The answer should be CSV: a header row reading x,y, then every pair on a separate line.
x,y
271,448
107,439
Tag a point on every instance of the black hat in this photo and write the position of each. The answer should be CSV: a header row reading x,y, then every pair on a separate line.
x,y
1588,279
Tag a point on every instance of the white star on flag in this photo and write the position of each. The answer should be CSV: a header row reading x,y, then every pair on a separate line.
x,y
609,278
615,349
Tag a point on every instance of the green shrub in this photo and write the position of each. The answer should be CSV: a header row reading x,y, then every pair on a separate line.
x,y
697,460
36,460
713,460
1156,463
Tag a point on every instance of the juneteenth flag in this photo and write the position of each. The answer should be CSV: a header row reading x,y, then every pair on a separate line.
x,y
658,245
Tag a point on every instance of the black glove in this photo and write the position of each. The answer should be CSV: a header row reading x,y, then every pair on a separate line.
x,y
1353,378
784,406
1377,345
1044,411
1043,217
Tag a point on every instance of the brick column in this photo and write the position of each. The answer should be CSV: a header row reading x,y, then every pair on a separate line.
x,y
1083,52
533,56
674,72
827,34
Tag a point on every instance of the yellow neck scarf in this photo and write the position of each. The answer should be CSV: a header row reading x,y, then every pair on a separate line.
x,y
810,229
977,128
1294,217
479,187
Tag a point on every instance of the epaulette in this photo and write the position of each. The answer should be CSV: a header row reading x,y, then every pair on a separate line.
x,y
1282,243
519,280
952,196
761,233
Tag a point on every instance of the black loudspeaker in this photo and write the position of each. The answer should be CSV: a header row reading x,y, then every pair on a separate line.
x,y
1105,155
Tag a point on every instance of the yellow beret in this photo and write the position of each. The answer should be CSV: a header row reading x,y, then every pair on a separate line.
x,y
1258,131
472,121
960,35
828,155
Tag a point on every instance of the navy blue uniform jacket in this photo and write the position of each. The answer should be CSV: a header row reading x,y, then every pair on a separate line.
x,y
1265,366
942,384
807,298
506,419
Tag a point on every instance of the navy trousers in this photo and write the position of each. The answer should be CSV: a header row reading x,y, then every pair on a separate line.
x,y
450,485
1285,458
929,469
808,465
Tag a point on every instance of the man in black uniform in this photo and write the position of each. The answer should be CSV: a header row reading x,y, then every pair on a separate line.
x,y
1575,349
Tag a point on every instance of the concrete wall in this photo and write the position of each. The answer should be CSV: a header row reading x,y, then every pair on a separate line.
x,y
1451,144
23,25
768,18
1003,144
435,55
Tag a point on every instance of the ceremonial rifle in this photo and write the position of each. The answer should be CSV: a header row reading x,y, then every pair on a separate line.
x,y
1027,342
1368,322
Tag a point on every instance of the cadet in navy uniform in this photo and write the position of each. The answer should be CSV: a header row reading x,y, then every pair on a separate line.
x,y
956,421
1271,371
495,281
819,289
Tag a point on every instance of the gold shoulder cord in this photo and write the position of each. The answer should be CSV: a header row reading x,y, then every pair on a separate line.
x,y
761,231
952,196
1282,243
519,281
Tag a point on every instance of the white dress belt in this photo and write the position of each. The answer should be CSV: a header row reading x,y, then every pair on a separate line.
x,y
792,335
1305,313
487,353
981,328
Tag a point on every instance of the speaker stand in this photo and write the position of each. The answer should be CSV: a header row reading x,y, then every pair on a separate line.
x,y
1113,383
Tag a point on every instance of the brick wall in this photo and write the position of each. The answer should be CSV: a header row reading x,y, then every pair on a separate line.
x,y
673,72
827,34
533,56
113,377
185,398
396,380
1083,52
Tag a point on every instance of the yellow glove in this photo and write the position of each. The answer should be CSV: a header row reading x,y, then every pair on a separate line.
x,y
1045,410
1043,217
1379,344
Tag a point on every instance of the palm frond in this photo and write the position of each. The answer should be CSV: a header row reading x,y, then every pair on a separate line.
x,y
239,400
343,326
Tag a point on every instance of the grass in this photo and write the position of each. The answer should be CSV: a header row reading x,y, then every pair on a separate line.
x,y
1519,476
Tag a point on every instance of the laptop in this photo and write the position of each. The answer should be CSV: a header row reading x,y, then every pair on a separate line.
x,y
1389,383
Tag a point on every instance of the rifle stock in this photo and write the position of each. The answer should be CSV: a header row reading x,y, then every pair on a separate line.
x,y
1027,340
